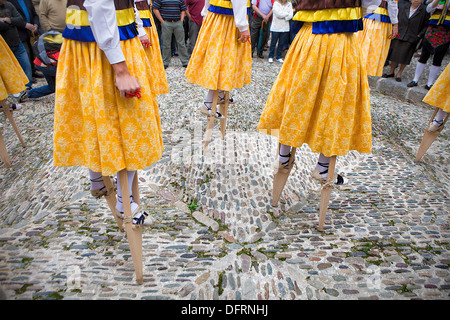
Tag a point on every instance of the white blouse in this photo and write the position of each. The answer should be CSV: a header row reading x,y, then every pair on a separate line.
x,y
103,23
239,11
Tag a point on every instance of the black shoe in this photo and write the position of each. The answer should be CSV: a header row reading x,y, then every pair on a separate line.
x,y
427,87
412,84
185,65
386,75
260,55
23,95
165,67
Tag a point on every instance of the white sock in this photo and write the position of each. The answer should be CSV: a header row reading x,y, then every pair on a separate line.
x,y
119,205
322,164
432,76
96,180
419,69
439,118
209,98
283,155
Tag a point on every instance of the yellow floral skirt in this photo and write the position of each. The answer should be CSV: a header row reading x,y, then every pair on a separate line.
x,y
321,96
94,126
12,77
157,72
219,60
375,41
439,94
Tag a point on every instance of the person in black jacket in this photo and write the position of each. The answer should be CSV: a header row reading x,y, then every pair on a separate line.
x,y
10,20
412,23
29,27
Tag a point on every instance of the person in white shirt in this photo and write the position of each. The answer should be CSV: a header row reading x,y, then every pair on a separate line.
x,y
282,13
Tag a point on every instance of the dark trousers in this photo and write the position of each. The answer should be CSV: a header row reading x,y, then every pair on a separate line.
x,y
50,76
428,50
255,32
282,39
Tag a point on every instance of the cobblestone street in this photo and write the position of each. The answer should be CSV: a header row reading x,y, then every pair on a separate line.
x,y
217,236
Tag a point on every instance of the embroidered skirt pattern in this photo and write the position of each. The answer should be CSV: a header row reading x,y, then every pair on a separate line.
x,y
219,60
158,74
439,94
94,126
321,96
375,41
12,77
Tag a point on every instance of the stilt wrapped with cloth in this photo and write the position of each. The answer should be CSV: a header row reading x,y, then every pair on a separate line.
x,y
321,95
439,97
221,59
106,116
12,81
380,27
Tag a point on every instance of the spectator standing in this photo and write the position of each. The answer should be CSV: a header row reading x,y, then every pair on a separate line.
x,y
194,13
436,42
10,19
412,23
52,15
282,13
261,20
28,29
171,15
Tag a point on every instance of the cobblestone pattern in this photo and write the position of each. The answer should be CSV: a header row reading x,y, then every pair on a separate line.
x,y
217,236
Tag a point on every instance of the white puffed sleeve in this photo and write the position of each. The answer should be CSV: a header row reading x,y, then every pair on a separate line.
x,y
393,11
205,8
103,22
140,24
240,14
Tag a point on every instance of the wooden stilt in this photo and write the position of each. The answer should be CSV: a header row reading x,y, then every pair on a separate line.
x,y
112,200
429,137
280,177
135,189
210,121
326,192
134,233
9,115
4,152
224,112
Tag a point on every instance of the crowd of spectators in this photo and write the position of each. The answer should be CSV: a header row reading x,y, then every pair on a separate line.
x,y
178,23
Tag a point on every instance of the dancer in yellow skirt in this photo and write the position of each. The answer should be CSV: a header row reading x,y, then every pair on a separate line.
x,y
439,97
12,77
101,63
380,27
157,72
221,59
321,95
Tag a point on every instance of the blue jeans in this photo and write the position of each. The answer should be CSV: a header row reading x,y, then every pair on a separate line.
x,y
21,55
50,76
282,39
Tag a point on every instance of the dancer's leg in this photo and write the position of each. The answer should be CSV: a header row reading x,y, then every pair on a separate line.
x,y
322,168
